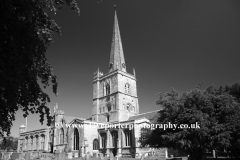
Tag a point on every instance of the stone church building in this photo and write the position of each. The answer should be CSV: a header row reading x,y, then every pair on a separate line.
x,y
115,102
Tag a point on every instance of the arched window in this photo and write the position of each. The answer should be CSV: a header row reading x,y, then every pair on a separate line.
x,y
104,139
42,141
26,143
95,144
128,138
31,146
61,136
36,142
114,139
76,139
127,88
107,89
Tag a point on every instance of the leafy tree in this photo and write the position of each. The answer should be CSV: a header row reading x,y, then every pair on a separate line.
x,y
216,111
26,33
10,143
234,90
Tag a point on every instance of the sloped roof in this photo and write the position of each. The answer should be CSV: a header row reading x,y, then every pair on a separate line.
x,y
148,115
68,119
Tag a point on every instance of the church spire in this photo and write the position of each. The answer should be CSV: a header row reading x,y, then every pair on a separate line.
x,y
116,56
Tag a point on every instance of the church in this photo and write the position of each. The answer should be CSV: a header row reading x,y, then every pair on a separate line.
x,y
115,102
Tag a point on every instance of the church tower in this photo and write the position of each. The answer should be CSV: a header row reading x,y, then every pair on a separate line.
x,y
114,93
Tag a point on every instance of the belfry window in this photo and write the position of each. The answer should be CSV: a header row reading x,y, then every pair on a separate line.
x,y
95,144
107,89
42,141
32,143
36,142
76,139
127,88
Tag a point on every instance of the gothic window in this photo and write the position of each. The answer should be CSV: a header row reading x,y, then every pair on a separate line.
x,y
108,118
104,139
127,88
31,143
114,139
36,141
76,139
95,144
128,138
99,110
42,141
26,143
107,89
109,107
61,136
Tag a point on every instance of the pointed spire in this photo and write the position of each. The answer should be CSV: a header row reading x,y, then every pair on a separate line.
x,y
116,57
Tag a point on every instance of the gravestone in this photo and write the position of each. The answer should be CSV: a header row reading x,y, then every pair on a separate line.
x,y
56,157
111,156
87,156
94,154
101,156
15,156
69,155
27,156
21,156
143,156
76,154
6,156
62,156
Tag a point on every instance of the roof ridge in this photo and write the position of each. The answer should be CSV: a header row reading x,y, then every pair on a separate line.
x,y
145,113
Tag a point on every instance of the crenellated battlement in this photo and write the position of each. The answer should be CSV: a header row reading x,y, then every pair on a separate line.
x,y
59,112
97,74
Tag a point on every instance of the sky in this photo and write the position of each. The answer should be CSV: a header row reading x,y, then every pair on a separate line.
x,y
171,44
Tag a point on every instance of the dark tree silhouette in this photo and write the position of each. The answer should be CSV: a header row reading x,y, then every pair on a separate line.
x,y
26,33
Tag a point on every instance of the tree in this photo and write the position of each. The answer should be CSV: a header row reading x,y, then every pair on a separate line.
x,y
10,143
234,90
216,111
26,33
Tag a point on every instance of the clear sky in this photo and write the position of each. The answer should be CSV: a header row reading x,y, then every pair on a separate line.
x,y
171,44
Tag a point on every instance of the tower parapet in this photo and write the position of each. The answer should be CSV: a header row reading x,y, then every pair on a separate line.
x,y
97,74
59,112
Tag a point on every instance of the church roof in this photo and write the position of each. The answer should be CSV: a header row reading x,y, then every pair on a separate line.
x,y
148,115
117,60
68,119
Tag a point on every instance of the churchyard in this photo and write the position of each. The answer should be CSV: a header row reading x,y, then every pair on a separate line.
x,y
65,156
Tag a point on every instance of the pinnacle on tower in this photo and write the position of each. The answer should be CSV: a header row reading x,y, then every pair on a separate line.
x,y
117,61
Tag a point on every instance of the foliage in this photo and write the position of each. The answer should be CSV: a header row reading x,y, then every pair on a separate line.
x,y
10,143
215,110
26,33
